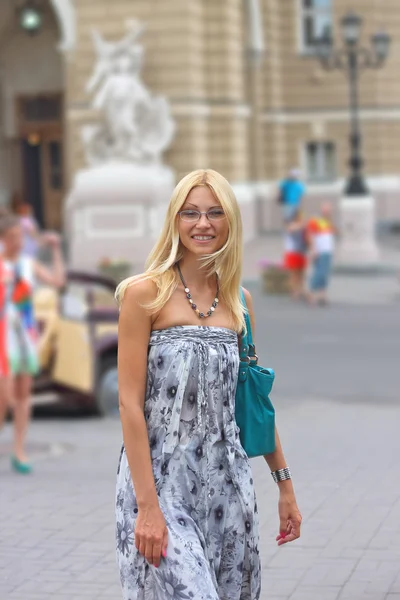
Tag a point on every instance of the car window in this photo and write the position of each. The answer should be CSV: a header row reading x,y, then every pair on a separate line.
x,y
79,298
74,303
102,297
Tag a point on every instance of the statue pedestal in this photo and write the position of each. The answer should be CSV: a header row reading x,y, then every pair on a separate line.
x,y
115,212
357,247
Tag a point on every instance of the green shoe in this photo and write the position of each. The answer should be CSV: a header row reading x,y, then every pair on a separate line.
x,y
20,467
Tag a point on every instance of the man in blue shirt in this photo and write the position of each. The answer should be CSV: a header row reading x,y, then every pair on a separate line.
x,y
291,192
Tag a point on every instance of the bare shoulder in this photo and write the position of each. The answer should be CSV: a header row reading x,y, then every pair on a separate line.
x,y
140,291
133,311
249,299
250,308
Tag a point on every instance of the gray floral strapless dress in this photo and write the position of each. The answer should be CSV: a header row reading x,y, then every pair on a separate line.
x,y
202,475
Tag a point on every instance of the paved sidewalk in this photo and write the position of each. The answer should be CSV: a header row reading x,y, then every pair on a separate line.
x,y
57,525
338,405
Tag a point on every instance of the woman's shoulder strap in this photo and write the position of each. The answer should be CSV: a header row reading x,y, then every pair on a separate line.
x,y
246,317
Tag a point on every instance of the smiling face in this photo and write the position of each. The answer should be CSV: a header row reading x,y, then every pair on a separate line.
x,y
204,236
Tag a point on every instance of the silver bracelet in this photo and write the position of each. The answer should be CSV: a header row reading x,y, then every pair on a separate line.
x,y
281,475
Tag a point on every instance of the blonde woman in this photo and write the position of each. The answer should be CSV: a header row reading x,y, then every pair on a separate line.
x,y
186,513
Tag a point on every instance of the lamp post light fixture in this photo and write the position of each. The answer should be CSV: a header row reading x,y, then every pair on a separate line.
x,y
354,58
357,207
30,17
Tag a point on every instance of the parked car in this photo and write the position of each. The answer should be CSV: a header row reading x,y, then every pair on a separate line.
x,y
78,344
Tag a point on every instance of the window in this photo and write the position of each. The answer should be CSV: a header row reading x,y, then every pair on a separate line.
x,y
316,22
41,108
320,162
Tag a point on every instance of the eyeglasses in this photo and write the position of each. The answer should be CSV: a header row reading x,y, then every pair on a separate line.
x,y
192,216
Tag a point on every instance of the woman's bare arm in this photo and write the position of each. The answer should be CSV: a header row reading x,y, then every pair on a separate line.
x,y
55,275
276,460
133,338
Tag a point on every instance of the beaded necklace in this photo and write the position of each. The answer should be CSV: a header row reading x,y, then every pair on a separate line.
x,y
201,315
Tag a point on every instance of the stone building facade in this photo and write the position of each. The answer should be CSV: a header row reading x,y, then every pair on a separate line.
x,y
250,113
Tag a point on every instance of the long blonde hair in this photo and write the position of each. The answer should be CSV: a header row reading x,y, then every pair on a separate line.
x,y
226,262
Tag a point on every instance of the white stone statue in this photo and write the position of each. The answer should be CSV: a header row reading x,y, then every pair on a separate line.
x,y
137,126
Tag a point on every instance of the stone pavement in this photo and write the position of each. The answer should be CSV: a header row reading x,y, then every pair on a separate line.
x,y
338,406
57,525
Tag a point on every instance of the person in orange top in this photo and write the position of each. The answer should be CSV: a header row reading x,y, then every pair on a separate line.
x,y
321,236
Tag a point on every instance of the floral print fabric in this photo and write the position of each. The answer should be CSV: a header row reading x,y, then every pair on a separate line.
x,y
18,331
202,475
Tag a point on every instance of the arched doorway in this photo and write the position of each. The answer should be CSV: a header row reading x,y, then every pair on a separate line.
x,y
31,109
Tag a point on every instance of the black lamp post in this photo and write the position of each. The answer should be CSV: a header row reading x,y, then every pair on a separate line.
x,y
353,58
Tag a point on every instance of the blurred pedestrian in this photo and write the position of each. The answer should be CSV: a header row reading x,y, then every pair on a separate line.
x,y
30,230
291,193
321,235
18,332
4,212
186,515
295,259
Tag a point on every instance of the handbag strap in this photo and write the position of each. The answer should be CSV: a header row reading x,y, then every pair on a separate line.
x,y
247,347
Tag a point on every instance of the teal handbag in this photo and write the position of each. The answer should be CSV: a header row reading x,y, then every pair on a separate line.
x,y
255,414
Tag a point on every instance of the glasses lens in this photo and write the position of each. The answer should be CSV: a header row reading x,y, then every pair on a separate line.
x,y
216,214
189,215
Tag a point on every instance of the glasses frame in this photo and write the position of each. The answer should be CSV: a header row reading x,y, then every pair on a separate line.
x,y
200,213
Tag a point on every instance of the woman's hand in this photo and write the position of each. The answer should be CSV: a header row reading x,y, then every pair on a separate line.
x,y
289,517
51,239
151,534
